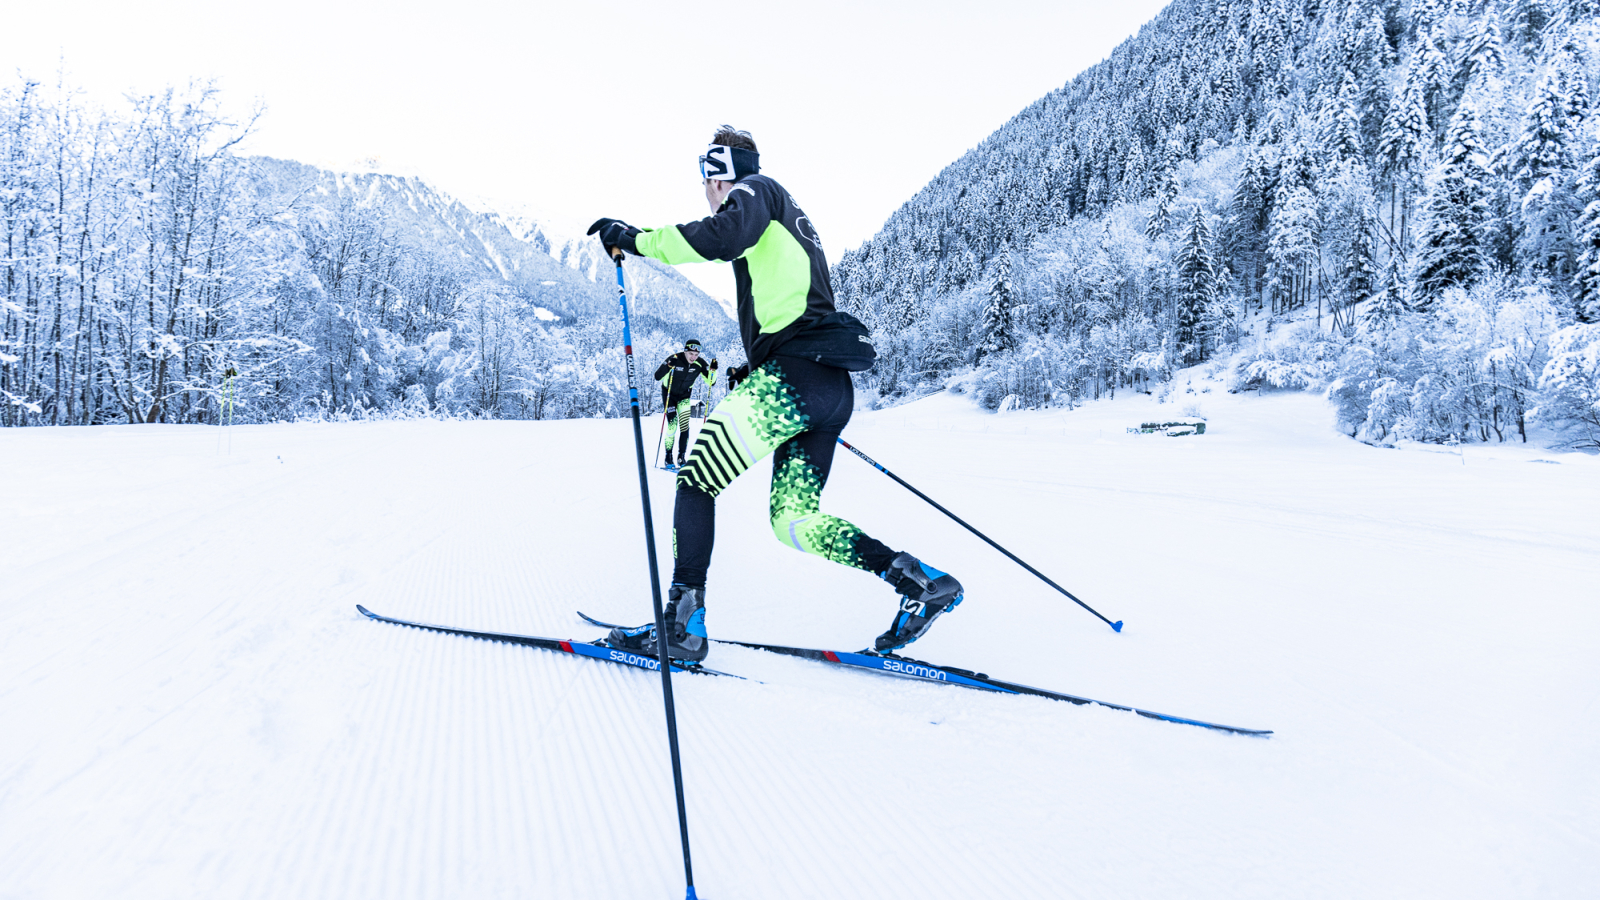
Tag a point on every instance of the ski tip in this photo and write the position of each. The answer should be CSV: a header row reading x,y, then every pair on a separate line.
x,y
1117,626
364,611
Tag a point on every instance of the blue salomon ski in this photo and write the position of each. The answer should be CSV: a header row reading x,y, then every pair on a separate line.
x,y
892,664
595,650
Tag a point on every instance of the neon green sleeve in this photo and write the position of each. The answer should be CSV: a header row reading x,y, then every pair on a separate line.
x,y
668,245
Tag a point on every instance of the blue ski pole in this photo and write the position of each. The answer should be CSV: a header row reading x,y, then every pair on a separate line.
x,y
1115,626
655,583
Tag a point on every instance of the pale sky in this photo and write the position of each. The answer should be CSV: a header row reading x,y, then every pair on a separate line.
x,y
575,111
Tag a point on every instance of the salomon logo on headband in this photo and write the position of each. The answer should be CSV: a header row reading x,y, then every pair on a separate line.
x,y
724,163
717,163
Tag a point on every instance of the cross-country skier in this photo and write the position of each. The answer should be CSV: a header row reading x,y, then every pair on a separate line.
x,y
795,401
677,375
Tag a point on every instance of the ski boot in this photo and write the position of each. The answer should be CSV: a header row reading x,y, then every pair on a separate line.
x,y
686,625
927,594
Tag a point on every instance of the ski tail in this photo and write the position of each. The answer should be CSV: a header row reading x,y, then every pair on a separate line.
x,y
596,622
597,651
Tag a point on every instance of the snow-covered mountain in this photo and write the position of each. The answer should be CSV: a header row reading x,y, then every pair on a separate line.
x,y
1395,172
566,273
653,282
154,280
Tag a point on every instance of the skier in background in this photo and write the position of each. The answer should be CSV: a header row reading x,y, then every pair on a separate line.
x,y
677,376
793,403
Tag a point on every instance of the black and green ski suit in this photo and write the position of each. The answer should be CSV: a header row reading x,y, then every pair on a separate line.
x,y
677,376
792,405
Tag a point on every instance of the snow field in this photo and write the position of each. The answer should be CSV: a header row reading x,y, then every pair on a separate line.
x,y
194,708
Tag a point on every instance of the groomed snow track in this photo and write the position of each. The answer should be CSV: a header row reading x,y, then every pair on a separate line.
x,y
192,706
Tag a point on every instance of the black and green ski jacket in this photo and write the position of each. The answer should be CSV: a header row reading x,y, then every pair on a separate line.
x,y
778,266
677,376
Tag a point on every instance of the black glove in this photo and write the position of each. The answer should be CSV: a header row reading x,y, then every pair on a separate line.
x,y
713,363
616,233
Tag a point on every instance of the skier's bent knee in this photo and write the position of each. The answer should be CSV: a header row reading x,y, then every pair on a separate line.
x,y
786,529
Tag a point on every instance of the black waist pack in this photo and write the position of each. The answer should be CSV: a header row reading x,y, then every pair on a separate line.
x,y
837,339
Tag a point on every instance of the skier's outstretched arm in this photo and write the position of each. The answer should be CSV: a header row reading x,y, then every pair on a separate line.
x,y
725,236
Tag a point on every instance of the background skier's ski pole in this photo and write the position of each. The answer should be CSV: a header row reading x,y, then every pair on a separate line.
x,y
655,583
659,438
1115,626
225,410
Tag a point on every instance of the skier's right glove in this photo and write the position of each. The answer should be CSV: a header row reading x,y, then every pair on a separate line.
x,y
616,233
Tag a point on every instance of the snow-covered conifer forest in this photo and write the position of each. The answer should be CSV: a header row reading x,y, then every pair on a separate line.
x,y
143,259
1398,202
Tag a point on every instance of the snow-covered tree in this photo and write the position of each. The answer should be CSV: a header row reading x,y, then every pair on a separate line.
x,y
1244,232
1574,85
1426,15
1165,187
1571,383
1292,235
1540,161
1586,277
997,329
1134,174
1341,123
1432,74
1359,269
1198,277
1483,57
1450,247
1525,21
1401,148
1389,304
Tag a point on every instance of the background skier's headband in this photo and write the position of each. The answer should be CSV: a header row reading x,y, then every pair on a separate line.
x,y
724,163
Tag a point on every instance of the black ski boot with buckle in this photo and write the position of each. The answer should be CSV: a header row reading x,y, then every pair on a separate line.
x,y
926,593
686,627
